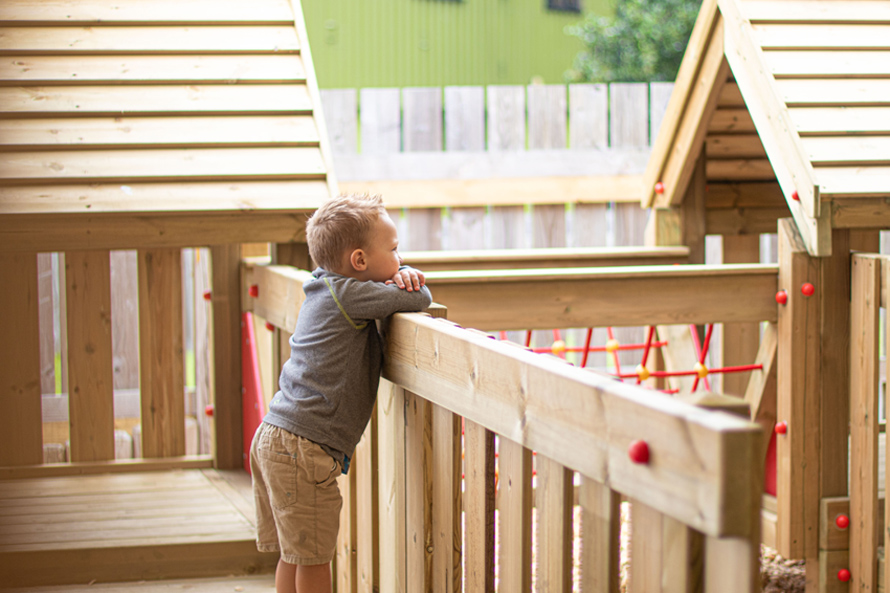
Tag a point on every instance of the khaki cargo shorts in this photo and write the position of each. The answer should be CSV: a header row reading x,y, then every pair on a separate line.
x,y
297,497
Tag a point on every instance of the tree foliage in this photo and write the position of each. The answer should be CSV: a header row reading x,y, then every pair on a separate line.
x,y
644,41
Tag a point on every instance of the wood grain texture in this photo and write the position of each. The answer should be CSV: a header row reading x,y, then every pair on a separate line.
x,y
600,531
479,503
554,494
515,503
226,303
447,505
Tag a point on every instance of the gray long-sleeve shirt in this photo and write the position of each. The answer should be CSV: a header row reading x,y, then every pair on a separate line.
x,y
328,386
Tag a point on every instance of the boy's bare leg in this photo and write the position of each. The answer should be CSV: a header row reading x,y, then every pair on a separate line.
x,y
285,577
314,578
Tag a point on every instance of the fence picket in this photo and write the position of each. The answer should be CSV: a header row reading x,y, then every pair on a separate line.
x,y
340,109
659,95
422,128
588,116
547,116
464,118
629,115
506,117
380,121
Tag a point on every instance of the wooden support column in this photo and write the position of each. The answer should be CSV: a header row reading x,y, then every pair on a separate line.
x,y
799,398
161,378
21,424
864,396
479,507
740,340
226,299
90,370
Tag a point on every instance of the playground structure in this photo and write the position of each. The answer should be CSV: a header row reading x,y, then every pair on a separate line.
x,y
747,142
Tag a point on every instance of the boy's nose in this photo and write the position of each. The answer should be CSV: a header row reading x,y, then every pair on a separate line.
x,y
401,261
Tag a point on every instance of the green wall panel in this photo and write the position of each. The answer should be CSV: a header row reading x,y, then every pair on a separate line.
x,y
397,43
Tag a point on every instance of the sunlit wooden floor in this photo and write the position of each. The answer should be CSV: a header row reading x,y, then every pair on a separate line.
x,y
264,583
128,527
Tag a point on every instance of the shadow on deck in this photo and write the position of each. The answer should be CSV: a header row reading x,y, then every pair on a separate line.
x,y
128,527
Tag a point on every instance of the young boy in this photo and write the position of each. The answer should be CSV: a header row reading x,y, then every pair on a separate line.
x,y
328,386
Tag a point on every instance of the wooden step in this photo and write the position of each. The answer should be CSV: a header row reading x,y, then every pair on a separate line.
x,y
263,583
128,527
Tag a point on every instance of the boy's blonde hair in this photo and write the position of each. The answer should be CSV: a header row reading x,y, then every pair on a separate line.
x,y
340,226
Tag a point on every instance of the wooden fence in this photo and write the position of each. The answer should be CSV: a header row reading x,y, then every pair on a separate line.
x,y
420,502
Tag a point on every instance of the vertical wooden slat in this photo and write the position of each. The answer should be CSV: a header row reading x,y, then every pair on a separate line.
x,y
479,507
21,427
546,116
380,121
508,228
659,95
367,509
797,460
346,558
447,495
732,565
600,530
464,118
90,373
422,129
391,448
629,115
418,492
646,548
683,552
549,226
46,303
160,353
125,319
466,228
341,119
740,340
515,505
204,350
864,419
506,117
553,499
588,116
225,263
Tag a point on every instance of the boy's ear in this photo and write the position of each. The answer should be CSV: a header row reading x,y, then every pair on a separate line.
x,y
357,260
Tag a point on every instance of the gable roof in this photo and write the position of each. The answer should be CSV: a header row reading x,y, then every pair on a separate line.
x,y
167,123
813,77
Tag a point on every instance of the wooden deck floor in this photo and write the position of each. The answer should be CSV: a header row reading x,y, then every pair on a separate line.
x,y
264,583
127,527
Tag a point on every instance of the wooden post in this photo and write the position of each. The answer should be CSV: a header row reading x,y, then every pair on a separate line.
x,y
226,299
479,507
90,371
740,340
21,424
799,357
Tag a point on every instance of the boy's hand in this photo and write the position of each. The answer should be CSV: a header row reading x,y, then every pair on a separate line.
x,y
408,279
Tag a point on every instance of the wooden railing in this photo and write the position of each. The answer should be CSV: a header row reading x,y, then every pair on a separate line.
x,y
416,517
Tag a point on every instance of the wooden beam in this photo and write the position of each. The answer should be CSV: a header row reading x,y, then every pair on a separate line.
x,y
226,302
279,294
54,470
21,425
90,371
161,376
544,299
166,12
744,221
799,358
860,213
740,340
590,423
761,391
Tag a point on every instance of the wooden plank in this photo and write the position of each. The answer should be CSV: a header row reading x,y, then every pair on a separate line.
x,y
464,118
391,475
125,319
123,100
226,302
556,257
103,467
831,536
841,92
424,229
280,294
341,117
161,165
848,151
243,197
760,393
740,341
91,377
549,226
422,123
588,116
46,305
776,36
659,96
418,493
478,507
21,430
797,457
844,182
36,41
158,132
740,170
64,232
598,416
161,376
506,117
546,116
743,221
93,70
831,11
573,297
734,146
733,565
683,557
844,121
554,493
446,502
514,516
744,195
466,232
101,12
647,566
867,289
600,531
836,63
501,191
346,558
629,114
367,505
248,584
731,120
730,96
380,121
508,228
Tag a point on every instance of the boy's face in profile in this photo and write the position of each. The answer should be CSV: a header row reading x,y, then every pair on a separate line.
x,y
379,260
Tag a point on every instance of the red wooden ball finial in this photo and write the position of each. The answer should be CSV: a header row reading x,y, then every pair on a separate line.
x,y
638,451
659,188
207,296
843,575
842,521
795,196
269,326
781,427
807,289
781,297
254,290
208,410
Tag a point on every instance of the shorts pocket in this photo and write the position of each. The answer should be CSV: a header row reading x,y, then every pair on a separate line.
x,y
326,469
279,471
